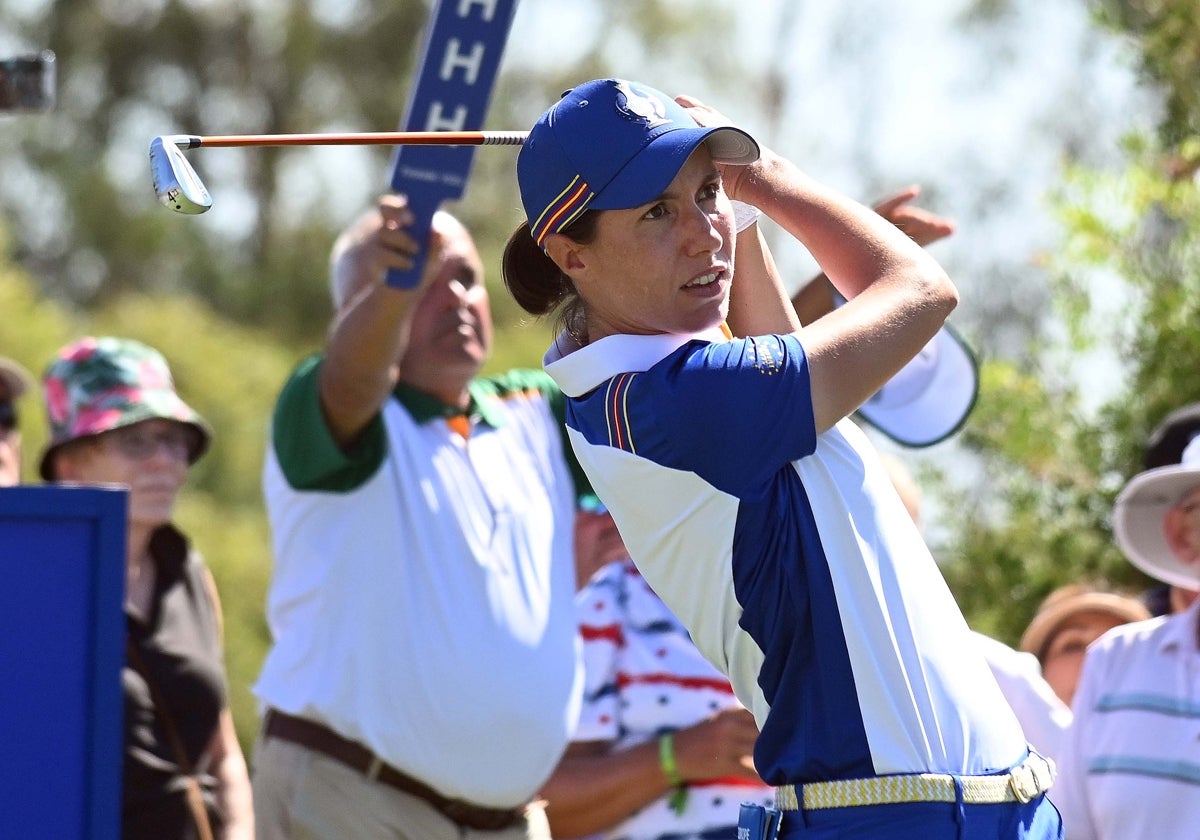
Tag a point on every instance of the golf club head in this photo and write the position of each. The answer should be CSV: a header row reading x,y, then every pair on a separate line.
x,y
175,181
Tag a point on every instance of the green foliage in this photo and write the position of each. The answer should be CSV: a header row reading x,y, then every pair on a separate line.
x,y
1169,47
227,372
31,331
1126,284
132,70
234,298
1039,516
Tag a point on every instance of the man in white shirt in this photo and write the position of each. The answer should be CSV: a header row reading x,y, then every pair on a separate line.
x,y
1129,766
423,680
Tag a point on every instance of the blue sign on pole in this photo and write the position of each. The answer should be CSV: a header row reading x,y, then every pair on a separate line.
x,y
454,85
62,560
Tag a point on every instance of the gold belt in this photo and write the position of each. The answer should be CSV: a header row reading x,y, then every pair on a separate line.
x,y
1027,780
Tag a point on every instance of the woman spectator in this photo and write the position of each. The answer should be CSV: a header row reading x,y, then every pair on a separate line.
x,y
1067,621
115,418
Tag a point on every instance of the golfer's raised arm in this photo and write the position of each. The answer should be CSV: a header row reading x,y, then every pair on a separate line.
x,y
898,296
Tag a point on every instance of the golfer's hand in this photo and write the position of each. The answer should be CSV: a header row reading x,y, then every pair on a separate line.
x,y
731,176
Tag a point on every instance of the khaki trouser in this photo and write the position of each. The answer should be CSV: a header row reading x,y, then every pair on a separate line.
x,y
302,795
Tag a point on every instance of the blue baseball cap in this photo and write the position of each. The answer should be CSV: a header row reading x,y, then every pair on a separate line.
x,y
611,144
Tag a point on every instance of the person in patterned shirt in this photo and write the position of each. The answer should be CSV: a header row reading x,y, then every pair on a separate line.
x,y
663,747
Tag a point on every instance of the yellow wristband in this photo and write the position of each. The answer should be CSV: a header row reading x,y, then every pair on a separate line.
x,y
666,759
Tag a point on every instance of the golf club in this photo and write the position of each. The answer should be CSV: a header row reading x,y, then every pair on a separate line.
x,y
179,187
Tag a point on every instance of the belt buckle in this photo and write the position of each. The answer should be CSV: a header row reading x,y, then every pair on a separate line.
x,y
1024,783
1044,771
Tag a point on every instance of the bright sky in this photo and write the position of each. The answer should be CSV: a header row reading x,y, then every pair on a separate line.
x,y
882,94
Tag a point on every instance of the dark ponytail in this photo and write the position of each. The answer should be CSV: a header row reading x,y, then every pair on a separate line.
x,y
531,277
536,282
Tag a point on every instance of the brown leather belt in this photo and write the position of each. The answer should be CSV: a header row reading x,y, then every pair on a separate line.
x,y
321,739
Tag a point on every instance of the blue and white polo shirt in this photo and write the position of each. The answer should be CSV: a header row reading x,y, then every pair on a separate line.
x,y
788,556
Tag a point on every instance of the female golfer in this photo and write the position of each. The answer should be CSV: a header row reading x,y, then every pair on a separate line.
x,y
753,507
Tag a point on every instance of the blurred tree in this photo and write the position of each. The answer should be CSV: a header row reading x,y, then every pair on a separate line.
x,y
1058,439
76,186
131,70
235,297
1169,40
230,374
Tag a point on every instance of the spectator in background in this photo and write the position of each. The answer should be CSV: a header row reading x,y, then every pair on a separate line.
x,y
1164,447
597,542
1130,766
663,748
1066,622
115,418
14,382
423,680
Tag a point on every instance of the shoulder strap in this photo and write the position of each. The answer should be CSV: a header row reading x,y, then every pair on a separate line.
x,y
194,798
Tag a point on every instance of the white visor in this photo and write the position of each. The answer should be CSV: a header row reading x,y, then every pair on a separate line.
x,y
929,398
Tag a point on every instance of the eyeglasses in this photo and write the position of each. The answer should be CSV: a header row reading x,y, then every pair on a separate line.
x,y
8,415
140,444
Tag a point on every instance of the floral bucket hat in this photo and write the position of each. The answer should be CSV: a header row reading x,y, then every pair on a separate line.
x,y
95,385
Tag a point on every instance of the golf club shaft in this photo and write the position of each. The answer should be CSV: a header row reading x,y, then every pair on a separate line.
x,y
377,138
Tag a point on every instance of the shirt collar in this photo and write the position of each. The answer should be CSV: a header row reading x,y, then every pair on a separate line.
x,y
1182,631
578,369
169,549
481,406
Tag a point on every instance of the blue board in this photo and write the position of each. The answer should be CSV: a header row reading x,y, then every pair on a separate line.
x,y
62,557
455,78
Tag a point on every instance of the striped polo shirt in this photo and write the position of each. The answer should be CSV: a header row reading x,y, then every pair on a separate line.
x,y
1130,762
422,600
788,556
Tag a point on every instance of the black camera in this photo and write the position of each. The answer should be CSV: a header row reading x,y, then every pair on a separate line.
x,y
27,82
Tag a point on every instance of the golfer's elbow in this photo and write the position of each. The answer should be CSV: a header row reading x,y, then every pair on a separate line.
x,y
933,288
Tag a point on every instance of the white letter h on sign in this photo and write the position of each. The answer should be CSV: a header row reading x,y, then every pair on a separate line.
x,y
453,59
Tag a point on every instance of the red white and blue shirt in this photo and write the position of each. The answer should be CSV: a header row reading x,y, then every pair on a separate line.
x,y
788,556
643,677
